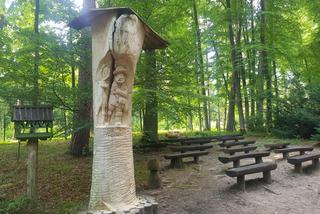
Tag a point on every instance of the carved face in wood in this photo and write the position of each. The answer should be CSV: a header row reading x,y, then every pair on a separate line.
x,y
120,78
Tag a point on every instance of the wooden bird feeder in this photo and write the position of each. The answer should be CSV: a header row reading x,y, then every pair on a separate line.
x,y
32,122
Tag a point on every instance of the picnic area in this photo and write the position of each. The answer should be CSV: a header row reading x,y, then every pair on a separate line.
x,y
159,107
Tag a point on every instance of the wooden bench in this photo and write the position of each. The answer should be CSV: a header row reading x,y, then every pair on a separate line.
x,y
297,160
196,141
240,172
176,158
273,146
190,148
237,143
285,151
236,158
227,138
245,149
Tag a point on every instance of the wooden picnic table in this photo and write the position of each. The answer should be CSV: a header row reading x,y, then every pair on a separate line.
x,y
257,155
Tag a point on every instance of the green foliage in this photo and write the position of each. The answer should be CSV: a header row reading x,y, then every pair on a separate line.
x,y
16,206
316,136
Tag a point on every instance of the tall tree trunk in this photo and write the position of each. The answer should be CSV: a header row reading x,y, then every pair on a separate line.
x,y
235,94
79,144
276,89
239,69
265,65
201,67
150,128
252,80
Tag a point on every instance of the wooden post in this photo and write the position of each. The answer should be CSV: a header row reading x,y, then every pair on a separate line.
x,y
258,159
32,168
315,163
196,159
298,167
241,182
236,163
267,177
285,155
154,179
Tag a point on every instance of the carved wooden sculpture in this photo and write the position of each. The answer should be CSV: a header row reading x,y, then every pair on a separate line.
x,y
118,37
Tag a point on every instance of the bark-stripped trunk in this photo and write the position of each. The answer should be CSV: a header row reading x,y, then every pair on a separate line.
x,y
150,128
117,43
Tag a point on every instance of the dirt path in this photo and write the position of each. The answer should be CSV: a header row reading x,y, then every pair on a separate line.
x,y
204,189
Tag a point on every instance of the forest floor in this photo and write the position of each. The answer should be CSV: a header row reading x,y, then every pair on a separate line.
x,y
64,184
205,189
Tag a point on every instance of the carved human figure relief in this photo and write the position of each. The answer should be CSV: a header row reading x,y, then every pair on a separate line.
x,y
118,101
103,75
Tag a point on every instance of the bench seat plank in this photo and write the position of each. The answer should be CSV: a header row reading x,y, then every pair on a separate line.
x,y
273,146
185,154
228,138
285,151
196,141
190,148
294,149
246,149
251,169
176,158
227,159
302,158
237,143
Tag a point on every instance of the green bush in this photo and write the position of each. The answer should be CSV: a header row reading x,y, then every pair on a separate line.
x,y
317,135
300,122
19,205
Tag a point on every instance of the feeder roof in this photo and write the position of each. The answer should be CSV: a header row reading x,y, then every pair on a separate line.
x,y
152,39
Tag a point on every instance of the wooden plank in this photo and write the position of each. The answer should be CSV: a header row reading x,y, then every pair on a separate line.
x,y
237,143
189,148
294,149
239,149
227,159
276,145
251,169
186,154
303,158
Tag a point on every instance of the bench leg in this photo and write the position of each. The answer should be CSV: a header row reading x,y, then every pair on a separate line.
x,y
236,163
258,159
315,163
176,163
196,159
267,177
302,152
285,155
241,183
298,167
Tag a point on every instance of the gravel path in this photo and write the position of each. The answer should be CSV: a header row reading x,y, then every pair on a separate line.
x,y
204,189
